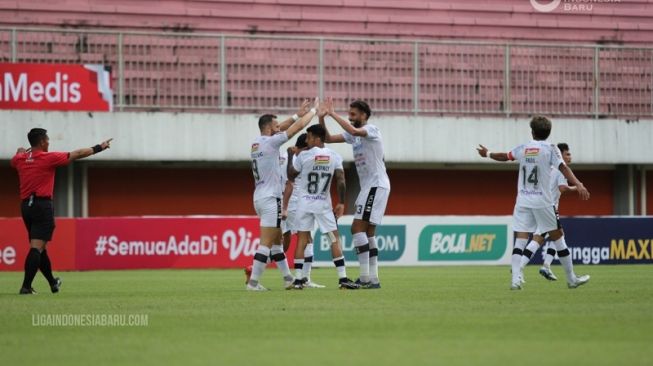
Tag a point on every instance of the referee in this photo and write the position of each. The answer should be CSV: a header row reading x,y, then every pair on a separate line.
x,y
36,167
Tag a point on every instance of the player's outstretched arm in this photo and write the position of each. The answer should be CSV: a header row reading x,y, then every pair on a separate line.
x,y
484,152
304,121
287,192
348,127
290,169
322,113
583,193
303,109
564,189
88,151
341,188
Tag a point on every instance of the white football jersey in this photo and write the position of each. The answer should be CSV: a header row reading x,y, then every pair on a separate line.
x,y
316,169
265,165
557,180
535,161
368,157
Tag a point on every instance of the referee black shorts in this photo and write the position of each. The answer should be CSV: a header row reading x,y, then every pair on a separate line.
x,y
38,216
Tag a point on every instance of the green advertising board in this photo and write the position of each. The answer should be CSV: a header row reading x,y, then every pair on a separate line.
x,y
390,239
462,242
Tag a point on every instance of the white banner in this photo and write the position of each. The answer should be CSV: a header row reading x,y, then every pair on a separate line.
x,y
429,241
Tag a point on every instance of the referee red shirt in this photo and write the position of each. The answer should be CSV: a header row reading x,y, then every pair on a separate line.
x,y
36,171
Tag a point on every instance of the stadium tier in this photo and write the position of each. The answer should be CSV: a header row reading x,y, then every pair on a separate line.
x,y
227,73
507,20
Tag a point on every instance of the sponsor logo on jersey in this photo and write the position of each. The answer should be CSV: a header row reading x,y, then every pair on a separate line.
x,y
532,151
254,148
322,159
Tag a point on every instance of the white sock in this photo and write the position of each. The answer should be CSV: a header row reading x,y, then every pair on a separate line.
x,y
340,266
531,248
374,260
549,254
363,252
279,257
565,258
308,261
258,266
299,268
520,244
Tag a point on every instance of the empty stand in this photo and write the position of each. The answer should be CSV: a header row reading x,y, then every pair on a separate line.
x,y
168,71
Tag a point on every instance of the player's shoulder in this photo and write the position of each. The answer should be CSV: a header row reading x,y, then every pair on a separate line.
x,y
332,153
258,139
372,128
522,146
306,153
52,154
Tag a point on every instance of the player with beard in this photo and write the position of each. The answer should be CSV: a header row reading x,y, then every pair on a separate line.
x,y
367,145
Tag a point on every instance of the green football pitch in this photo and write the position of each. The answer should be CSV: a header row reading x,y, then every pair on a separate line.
x,y
427,316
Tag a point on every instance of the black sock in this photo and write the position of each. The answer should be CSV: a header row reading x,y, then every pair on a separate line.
x,y
46,267
32,263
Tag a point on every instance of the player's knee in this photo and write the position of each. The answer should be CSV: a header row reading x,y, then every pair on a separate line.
x,y
359,226
555,234
37,244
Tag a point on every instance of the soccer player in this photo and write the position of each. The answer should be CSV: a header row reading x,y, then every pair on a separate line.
x,y
559,186
36,169
367,144
534,210
289,214
317,167
267,194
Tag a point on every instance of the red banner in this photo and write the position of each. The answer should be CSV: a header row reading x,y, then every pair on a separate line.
x,y
122,243
14,245
61,87
139,243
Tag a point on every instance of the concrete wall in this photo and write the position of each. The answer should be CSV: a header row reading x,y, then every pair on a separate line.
x,y
152,137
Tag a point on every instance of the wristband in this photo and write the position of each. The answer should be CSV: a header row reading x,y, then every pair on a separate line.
x,y
313,110
96,149
487,155
295,117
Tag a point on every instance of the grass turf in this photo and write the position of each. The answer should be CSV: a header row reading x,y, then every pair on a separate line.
x,y
427,316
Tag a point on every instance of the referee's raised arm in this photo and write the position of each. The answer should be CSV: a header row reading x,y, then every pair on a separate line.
x,y
88,151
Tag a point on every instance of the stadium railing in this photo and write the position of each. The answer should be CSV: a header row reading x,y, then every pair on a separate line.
x,y
254,73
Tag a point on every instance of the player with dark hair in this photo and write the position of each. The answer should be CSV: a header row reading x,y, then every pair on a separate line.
x,y
36,169
559,186
303,266
268,192
534,210
367,145
317,167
